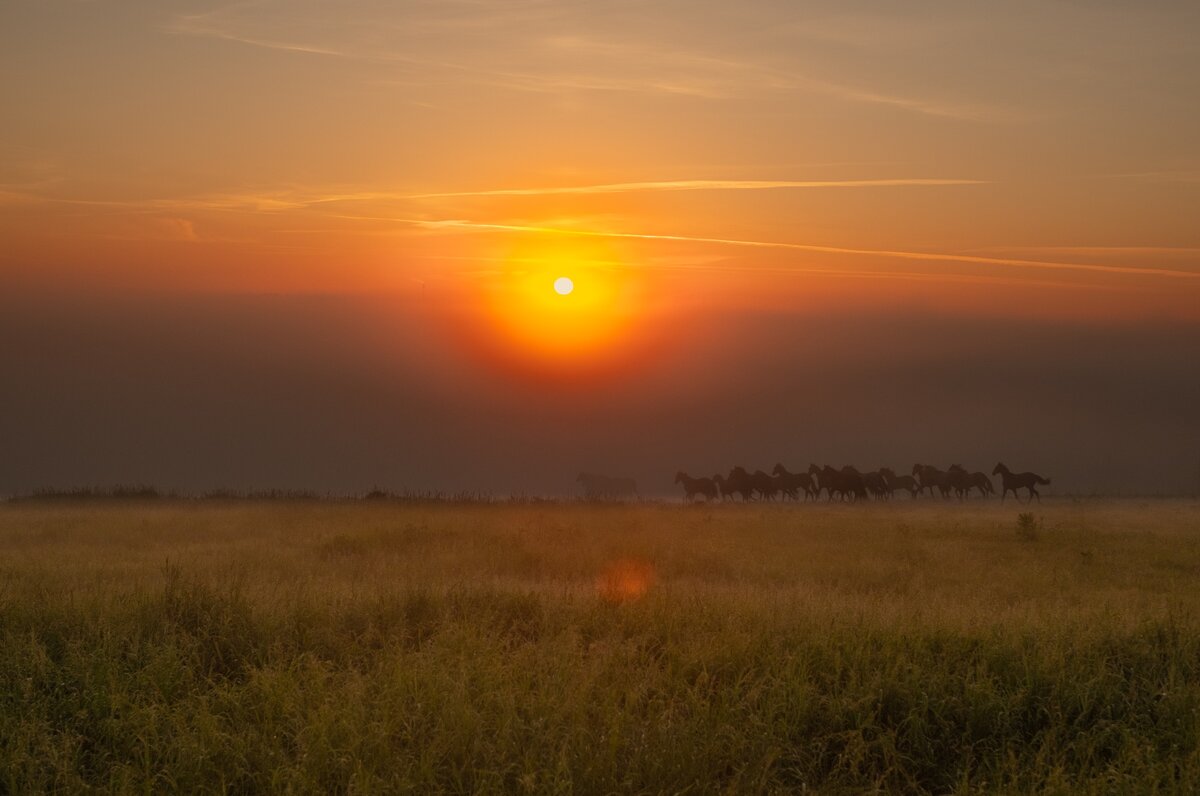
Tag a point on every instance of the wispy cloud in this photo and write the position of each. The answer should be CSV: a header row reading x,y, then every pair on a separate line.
x,y
322,203
174,230
8,197
277,200
537,47
266,201
1191,176
719,265
928,107
1102,251
1173,273
697,185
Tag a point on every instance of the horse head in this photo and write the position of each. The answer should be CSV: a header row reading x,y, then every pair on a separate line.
x,y
679,476
999,469
779,469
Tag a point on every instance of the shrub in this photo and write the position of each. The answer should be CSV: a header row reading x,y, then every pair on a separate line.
x,y
1028,527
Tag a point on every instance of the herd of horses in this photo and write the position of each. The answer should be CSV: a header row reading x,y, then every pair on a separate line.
x,y
850,484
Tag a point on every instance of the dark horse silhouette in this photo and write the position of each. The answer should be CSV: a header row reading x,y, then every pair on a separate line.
x,y
1014,481
963,482
739,482
764,484
876,484
791,483
847,482
853,482
696,486
929,477
726,488
958,479
895,482
984,484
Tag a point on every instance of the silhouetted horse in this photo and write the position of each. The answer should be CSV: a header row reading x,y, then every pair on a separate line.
x,y
821,481
855,483
696,486
895,482
847,482
929,477
1014,481
724,486
984,484
959,480
790,483
852,482
764,485
963,482
603,487
740,482
786,490
876,484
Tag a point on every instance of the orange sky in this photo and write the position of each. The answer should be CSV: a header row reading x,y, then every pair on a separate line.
x,y
301,146
683,161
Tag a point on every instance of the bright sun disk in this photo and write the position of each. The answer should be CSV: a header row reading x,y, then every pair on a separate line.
x,y
563,286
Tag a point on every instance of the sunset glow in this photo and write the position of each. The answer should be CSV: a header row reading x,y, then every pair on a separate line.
x,y
693,226
548,319
570,396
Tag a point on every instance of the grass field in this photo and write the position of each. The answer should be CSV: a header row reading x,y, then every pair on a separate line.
x,y
386,647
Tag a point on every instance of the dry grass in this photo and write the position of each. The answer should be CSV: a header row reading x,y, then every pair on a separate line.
x,y
382,647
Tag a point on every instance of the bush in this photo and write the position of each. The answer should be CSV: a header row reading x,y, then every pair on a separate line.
x,y
1028,527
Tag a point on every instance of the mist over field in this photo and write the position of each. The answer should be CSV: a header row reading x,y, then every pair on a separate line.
x,y
335,335
342,393
384,647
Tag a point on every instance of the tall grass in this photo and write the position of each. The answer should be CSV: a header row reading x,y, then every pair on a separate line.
x,y
384,647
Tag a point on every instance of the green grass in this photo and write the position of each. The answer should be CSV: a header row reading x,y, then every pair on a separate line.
x,y
380,647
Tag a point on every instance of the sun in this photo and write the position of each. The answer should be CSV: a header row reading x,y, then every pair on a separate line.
x,y
540,316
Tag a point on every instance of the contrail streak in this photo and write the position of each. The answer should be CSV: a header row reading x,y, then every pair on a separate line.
x,y
899,255
694,185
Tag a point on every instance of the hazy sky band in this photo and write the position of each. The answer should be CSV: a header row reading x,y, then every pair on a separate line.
x,y
697,185
929,256
288,242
